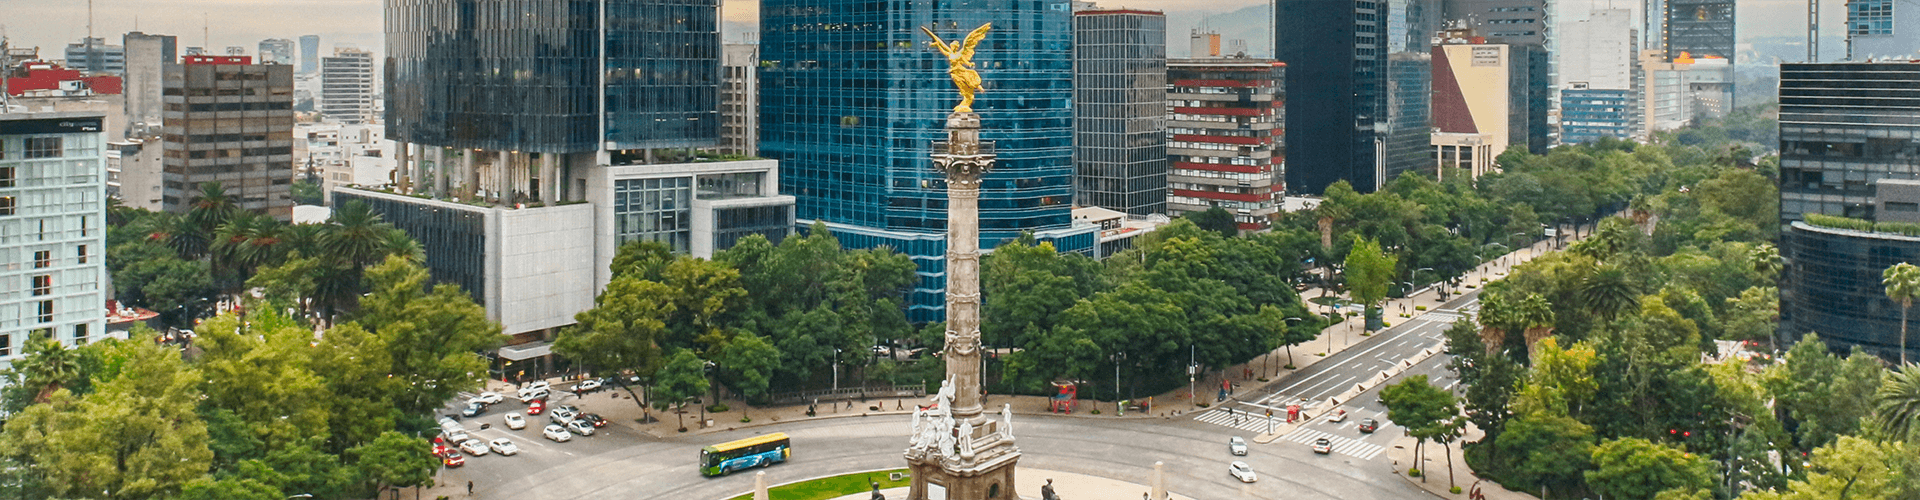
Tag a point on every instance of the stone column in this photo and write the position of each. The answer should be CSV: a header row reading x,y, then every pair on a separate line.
x,y
402,166
963,168
549,171
442,175
502,177
469,176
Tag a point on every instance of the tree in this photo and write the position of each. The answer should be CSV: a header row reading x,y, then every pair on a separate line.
x,y
1489,378
746,363
1903,285
1634,468
306,193
435,338
1852,468
1215,219
395,460
1824,394
1426,411
1548,451
681,378
48,366
1609,291
1766,261
1536,314
1288,333
135,437
1898,411
1369,271
622,332
208,488
1754,315
258,369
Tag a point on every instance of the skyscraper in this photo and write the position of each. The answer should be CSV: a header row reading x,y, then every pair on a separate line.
x,y
309,54
1522,26
146,56
740,100
232,125
853,128
1359,75
1120,87
346,86
276,51
1596,71
1699,28
1847,148
52,189
1883,29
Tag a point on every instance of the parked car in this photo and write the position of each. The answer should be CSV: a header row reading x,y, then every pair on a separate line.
x,y
1242,471
474,447
1368,425
587,385
444,451
473,410
536,406
1237,446
561,416
575,410
515,421
456,436
503,446
557,433
580,427
594,418
486,398
448,423
1322,446
454,460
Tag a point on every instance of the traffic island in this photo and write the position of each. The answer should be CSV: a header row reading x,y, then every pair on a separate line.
x,y
835,486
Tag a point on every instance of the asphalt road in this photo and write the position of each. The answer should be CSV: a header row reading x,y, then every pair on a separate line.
x,y
1313,385
624,466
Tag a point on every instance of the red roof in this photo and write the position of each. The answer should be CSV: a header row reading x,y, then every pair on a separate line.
x,y
39,76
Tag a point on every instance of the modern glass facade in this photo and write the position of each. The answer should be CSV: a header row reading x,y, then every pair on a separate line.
x,y
1870,17
526,75
1882,29
1586,115
1844,127
52,229
1411,25
731,224
1120,98
852,95
455,239
1832,287
1336,57
1700,28
659,209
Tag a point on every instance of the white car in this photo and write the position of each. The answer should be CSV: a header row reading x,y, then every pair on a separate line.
x,y
587,385
1242,471
516,422
457,435
528,395
580,427
1237,446
503,446
486,398
448,424
1337,416
562,416
557,433
474,447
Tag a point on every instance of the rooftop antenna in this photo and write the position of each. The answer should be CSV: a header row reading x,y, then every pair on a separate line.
x,y
93,58
203,31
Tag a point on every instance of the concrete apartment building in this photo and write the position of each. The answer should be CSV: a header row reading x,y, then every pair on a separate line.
x,y
346,87
1226,147
1471,104
740,100
52,229
1850,147
229,121
146,59
1120,101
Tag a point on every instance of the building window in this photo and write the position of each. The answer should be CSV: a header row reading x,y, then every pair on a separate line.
x,y
41,147
82,253
6,205
6,177
46,311
6,345
43,259
42,285
1896,206
655,210
79,334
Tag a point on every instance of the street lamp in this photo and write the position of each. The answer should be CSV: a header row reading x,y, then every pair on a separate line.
x,y
836,370
1117,410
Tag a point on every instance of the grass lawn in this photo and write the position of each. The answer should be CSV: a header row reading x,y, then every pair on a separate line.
x,y
833,487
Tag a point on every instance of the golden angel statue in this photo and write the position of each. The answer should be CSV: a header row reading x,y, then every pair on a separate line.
x,y
960,64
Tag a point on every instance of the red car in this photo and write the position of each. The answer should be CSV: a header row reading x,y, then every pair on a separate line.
x,y
537,406
444,451
454,460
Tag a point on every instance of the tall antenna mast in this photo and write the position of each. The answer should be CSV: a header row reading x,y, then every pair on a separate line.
x,y
1813,31
93,58
206,45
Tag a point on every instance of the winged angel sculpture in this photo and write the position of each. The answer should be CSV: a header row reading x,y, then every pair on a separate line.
x,y
960,64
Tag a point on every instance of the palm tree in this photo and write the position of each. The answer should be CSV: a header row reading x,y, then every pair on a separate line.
x,y
211,208
356,235
247,241
1903,284
48,365
184,237
1899,408
1494,317
396,242
1766,260
1608,291
1536,315
1613,237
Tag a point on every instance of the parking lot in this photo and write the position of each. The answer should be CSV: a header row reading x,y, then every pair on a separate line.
x,y
537,453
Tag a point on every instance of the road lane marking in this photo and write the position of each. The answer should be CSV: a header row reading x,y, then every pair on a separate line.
x,y
1345,446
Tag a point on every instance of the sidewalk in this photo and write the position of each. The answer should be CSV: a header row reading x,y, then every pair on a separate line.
x,y
1435,471
1027,483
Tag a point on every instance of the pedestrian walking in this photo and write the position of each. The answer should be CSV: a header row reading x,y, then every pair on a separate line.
x,y
469,488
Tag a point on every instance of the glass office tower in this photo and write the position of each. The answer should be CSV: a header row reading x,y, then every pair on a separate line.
x,y
852,96
1121,124
527,76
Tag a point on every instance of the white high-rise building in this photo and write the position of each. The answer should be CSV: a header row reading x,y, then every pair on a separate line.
x,y
276,51
52,229
1598,51
739,99
346,86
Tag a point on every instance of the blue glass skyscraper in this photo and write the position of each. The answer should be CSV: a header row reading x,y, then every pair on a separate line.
x,y
852,97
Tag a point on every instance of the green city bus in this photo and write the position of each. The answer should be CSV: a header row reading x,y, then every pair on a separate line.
x,y
758,451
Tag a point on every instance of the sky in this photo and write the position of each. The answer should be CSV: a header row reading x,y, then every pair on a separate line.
x,y
51,24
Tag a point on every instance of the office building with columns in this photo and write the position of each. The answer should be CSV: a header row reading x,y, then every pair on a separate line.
x,y
528,149
228,121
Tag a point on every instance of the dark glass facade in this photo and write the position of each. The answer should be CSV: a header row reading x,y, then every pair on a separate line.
x,y
1844,127
1336,57
455,239
1832,287
731,224
1120,99
1700,28
525,75
659,209
852,95
1411,25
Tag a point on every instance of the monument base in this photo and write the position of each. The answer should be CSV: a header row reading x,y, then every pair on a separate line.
x,y
994,482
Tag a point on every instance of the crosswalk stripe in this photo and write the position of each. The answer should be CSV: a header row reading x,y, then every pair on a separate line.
x,y
1350,447
1440,317
1238,420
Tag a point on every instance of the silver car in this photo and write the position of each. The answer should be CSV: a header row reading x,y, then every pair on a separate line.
x,y
1242,471
580,427
1237,446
